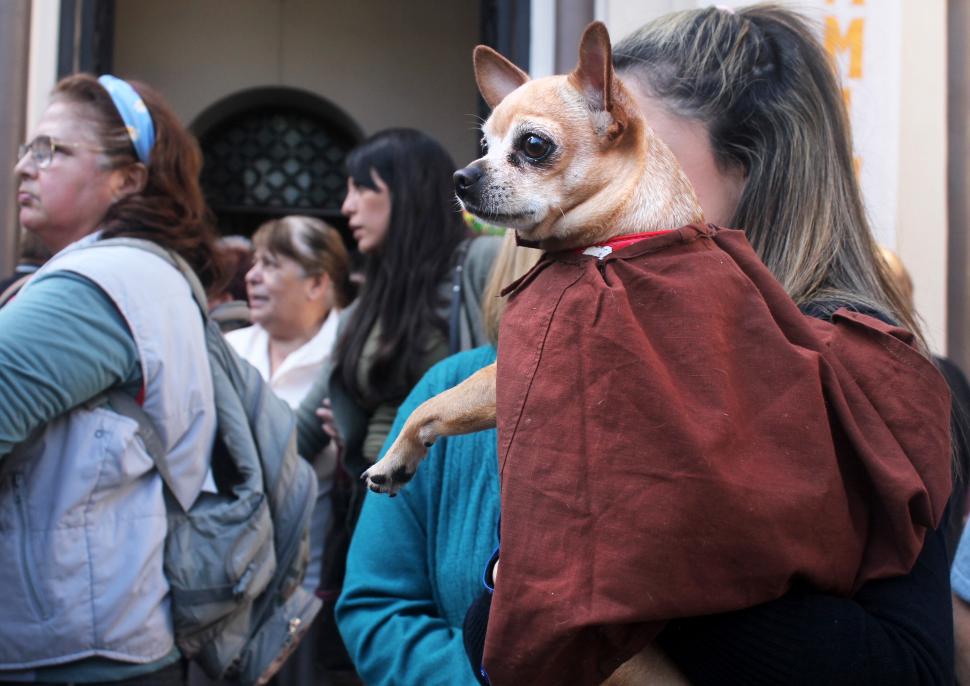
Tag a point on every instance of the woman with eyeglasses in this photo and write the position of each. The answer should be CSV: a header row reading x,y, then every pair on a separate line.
x,y
81,505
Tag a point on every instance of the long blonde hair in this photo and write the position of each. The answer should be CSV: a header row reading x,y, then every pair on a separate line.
x,y
511,262
767,92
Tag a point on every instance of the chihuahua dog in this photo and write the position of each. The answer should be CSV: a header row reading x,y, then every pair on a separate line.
x,y
570,162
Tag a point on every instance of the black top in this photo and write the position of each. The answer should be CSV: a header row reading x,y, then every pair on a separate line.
x,y
893,631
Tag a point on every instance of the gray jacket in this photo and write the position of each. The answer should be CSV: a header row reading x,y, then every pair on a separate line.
x,y
82,516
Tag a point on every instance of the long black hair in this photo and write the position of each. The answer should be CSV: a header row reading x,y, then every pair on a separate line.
x,y
402,292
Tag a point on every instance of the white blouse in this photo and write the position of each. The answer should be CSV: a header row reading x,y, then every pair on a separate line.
x,y
295,376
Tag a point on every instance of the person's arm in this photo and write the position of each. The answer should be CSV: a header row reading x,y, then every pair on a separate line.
x,y
894,631
62,342
310,436
387,613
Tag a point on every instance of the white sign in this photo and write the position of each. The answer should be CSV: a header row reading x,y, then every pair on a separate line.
x,y
865,39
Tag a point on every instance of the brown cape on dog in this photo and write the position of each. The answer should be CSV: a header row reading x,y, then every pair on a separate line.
x,y
676,439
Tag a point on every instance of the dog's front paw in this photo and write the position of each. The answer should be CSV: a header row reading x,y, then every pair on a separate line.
x,y
398,465
385,477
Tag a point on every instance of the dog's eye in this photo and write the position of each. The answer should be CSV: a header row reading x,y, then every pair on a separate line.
x,y
484,145
535,147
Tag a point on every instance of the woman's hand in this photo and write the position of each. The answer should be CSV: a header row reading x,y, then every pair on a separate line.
x,y
327,423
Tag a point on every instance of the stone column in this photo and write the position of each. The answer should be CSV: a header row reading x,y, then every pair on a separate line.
x,y
14,51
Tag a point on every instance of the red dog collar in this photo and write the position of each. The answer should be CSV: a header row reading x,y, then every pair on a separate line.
x,y
616,243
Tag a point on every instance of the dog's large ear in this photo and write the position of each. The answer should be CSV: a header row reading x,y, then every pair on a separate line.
x,y
495,75
594,77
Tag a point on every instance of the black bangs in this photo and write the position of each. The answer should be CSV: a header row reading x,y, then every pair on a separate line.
x,y
372,155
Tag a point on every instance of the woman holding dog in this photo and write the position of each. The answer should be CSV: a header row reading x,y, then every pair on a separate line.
x,y
86,599
728,92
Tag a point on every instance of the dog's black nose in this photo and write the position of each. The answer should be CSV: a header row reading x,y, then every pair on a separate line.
x,y
466,178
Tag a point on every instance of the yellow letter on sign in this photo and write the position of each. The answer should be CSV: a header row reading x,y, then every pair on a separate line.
x,y
851,40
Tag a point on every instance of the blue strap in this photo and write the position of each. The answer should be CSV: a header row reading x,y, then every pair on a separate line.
x,y
134,114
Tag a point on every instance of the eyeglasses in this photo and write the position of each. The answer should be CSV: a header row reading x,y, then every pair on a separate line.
x,y
42,150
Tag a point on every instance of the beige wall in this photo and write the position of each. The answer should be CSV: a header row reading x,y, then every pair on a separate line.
x,y
42,74
384,63
921,216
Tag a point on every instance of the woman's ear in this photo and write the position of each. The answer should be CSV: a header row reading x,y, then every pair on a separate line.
x,y
129,180
319,287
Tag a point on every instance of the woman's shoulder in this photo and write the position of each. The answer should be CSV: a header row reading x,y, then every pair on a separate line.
x,y
454,369
243,339
241,334
464,363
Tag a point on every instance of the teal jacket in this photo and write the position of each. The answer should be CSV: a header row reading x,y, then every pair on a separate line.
x,y
416,561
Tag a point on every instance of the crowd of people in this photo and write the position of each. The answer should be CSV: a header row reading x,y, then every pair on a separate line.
x,y
751,107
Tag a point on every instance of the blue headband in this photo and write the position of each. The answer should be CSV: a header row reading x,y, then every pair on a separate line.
x,y
133,113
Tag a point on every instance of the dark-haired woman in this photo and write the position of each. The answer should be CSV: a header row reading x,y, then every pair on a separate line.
x,y
84,519
401,209
421,299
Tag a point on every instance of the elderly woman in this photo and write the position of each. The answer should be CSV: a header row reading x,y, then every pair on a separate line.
x,y
297,287
84,518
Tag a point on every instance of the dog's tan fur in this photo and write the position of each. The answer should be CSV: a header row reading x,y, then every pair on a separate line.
x,y
610,176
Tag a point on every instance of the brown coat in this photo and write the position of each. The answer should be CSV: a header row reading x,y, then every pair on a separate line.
x,y
677,439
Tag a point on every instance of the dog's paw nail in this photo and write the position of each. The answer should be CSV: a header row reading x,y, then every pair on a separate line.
x,y
428,444
393,495
374,488
378,478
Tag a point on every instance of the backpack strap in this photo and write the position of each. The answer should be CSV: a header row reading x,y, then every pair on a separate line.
x,y
122,403
454,317
170,256
10,291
